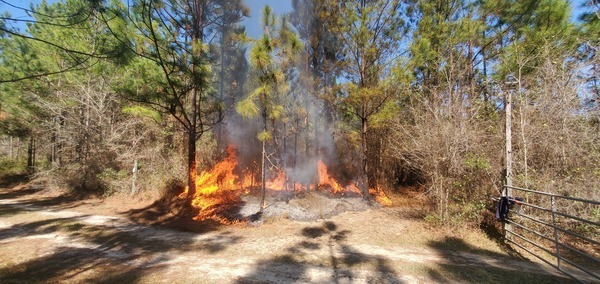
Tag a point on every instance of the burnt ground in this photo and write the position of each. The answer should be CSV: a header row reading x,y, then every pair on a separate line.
x,y
53,238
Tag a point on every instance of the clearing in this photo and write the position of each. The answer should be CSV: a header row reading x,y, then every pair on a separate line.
x,y
49,237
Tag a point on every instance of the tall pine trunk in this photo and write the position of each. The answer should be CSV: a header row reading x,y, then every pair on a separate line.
x,y
365,155
263,168
192,165
197,37
31,156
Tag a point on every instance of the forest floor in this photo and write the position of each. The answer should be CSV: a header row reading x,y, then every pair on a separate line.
x,y
51,237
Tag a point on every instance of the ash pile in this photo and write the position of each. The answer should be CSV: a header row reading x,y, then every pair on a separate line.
x,y
302,206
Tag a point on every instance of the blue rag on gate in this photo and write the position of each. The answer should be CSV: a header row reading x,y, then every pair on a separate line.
x,y
502,209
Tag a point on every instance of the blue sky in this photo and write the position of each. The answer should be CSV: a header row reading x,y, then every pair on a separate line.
x,y
253,27
16,13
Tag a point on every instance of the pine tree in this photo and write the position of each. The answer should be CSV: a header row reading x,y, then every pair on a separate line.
x,y
319,68
231,64
369,32
69,112
170,37
269,58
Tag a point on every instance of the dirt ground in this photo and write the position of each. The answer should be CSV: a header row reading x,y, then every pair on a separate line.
x,y
50,237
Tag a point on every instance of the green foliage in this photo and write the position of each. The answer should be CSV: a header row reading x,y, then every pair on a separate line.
x,y
385,115
268,17
434,219
141,111
14,127
248,108
142,80
270,57
12,166
277,112
115,180
595,215
371,32
442,29
462,214
590,29
468,213
476,162
264,136
64,37
532,25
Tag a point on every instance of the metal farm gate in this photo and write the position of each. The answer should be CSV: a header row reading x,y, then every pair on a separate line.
x,y
562,231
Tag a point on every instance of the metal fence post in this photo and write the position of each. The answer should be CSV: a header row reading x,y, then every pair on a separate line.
x,y
556,242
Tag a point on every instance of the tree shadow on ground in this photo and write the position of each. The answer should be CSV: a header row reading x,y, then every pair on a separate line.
x,y
17,186
493,230
24,204
61,202
6,211
80,250
323,255
175,212
12,180
16,191
463,263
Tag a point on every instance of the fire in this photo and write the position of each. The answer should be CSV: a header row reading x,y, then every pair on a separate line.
x,y
220,187
325,180
278,183
380,196
248,179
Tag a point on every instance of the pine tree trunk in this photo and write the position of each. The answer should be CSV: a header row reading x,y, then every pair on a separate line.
x,y
365,152
295,157
31,156
192,165
263,179
197,37
219,127
262,166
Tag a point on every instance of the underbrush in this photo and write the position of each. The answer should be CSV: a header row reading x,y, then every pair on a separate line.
x,y
468,214
11,166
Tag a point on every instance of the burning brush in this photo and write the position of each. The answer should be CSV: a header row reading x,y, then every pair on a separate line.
x,y
218,190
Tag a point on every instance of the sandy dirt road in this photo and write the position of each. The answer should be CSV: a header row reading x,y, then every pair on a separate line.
x,y
46,239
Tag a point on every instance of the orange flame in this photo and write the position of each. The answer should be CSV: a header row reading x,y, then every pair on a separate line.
x,y
216,187
277,183
248,179
380,196
220,187
325,180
